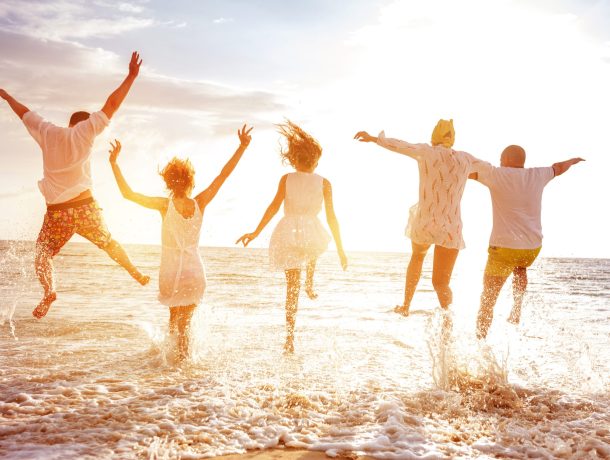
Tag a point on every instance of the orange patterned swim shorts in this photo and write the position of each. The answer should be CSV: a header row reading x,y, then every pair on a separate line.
x,y
64,220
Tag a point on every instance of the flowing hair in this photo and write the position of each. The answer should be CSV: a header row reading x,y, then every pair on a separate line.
x,y
301,149
179,177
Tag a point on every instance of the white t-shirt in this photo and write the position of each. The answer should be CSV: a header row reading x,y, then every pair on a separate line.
x,y
443,172
65,154
516,198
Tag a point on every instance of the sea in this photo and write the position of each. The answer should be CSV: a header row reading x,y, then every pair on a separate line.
x,y
96,378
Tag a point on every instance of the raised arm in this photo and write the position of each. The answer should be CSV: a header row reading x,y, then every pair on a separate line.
x,y
115,100
209,193
269,213
563,166
333,223
394,145
151,202
19,109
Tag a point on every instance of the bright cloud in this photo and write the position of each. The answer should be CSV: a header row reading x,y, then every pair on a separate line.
x,y
63,19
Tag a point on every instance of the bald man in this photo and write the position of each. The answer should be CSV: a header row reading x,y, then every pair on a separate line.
x,y
516,237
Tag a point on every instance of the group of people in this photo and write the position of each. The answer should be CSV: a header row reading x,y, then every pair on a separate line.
x,y
299,238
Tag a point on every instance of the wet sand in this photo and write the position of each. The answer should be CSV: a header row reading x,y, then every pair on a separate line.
x,y
289,454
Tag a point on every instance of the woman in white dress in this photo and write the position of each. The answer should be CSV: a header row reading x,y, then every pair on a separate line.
x,y
299,238
435,219
181,275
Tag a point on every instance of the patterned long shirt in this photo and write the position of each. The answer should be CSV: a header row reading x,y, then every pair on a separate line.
x,y
436,218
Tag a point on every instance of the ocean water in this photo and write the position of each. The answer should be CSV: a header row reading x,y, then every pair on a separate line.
x,y
94,378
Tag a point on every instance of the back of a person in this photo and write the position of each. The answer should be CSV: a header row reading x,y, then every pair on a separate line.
x,y
181,273
179,232
65,152
304,194
516,195
437,217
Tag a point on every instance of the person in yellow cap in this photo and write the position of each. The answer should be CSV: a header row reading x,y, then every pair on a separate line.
x,y
435,219
516,236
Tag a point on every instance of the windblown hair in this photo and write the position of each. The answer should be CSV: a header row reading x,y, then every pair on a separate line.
x,y
179,177
77,117
302,149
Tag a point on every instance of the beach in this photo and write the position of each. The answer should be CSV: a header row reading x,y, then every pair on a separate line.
x,y
95,378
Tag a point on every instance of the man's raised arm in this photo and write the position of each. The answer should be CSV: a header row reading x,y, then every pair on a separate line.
x,y
17,107
563,166
116,98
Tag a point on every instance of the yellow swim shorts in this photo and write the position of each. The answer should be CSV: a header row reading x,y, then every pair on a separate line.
x,y
502,261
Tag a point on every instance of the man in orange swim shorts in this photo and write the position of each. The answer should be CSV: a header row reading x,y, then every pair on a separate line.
x,y
66,185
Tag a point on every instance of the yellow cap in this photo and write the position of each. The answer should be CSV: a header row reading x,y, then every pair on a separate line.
x,y
443,133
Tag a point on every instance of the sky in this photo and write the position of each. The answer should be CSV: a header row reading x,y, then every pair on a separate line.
x,y
533,73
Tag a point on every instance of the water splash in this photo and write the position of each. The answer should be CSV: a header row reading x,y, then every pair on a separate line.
x,y
15,272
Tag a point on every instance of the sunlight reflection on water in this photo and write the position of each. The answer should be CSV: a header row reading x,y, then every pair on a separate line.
x,y
94,377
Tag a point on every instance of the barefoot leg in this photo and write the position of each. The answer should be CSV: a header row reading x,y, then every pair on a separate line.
x,y
418,253
519,287
309,290
293,286
118,254
183,329
444,261
54,234
491,289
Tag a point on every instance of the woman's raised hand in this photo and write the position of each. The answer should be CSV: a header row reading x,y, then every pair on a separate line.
x,y
246,239
363,136
116,149
244,135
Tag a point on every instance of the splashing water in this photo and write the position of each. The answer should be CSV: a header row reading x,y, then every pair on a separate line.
x,y
94,378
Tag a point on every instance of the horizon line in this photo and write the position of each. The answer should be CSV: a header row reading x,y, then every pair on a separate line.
x,y
265,249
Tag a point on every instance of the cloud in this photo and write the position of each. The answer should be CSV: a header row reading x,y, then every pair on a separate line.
x,y
61,76
222,20
130,8
62,19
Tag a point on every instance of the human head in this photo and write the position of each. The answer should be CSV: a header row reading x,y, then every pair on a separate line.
x,y
513,156
179,177
443,133
303,151
77,117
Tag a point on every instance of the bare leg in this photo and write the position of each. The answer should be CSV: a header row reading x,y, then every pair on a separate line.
x,y
491,289
182,329
118,254
418,253
44,271
519,287
173,321
311,267
444,261
293,286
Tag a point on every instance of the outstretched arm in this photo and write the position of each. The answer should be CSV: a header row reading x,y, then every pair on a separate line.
x,y
19,109
209,193
563,166
333,223
160,204
115,100
395,145
269,213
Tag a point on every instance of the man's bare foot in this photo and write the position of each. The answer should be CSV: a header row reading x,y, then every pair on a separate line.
x,y
402,310
140,278
44,305
311,293
289,346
